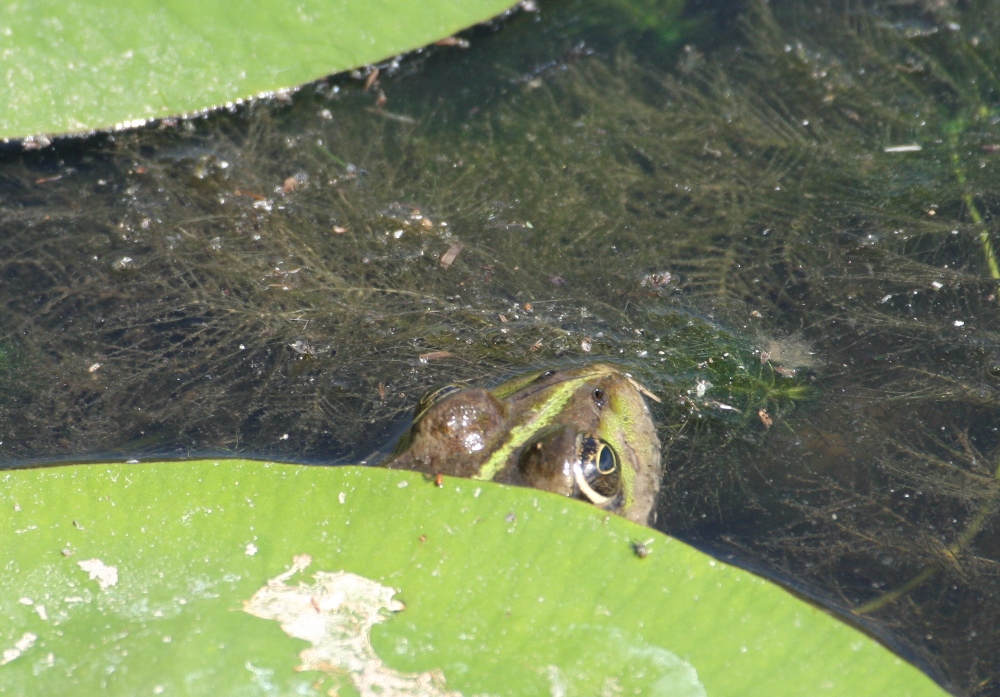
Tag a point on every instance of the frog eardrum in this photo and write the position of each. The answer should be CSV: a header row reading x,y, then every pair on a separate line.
x,y
583,432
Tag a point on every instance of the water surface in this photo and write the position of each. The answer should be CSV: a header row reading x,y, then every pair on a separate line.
x,y
779,217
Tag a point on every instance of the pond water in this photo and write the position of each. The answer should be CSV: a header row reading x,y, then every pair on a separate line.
x,y
780,217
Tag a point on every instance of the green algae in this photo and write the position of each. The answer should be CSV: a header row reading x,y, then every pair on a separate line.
x,y
819,195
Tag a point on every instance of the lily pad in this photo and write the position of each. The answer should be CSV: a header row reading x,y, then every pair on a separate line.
x,y
88,64
204,577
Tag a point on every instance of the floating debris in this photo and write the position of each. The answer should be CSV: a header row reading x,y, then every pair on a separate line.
x,y
448,258
434,356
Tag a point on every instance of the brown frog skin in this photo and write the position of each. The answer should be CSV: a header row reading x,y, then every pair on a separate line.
x,y
583,432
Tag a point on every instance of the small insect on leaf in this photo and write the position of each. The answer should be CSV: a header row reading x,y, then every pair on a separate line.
x,y
439,480
765,418
641,549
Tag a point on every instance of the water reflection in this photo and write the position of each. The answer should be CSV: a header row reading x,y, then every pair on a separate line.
x,y
805,206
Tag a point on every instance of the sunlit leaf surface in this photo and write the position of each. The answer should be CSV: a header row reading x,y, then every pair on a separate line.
x,y
85,64
132,579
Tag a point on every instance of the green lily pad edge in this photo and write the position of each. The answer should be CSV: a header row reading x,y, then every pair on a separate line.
x,y
74,66
237,577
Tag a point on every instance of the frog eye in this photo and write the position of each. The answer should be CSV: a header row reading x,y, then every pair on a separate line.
x,y
606,460
993,369
432,397
596,471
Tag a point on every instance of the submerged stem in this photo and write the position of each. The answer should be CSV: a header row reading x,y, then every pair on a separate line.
x,y
977,218
955,548
989,506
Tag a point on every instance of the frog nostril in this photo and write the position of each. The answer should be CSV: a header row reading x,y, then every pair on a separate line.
x,y
599,397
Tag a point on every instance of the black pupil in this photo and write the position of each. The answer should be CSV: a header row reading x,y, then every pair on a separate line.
x,y
599,397
606,460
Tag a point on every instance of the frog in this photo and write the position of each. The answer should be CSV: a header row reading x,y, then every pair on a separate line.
x,y
585,432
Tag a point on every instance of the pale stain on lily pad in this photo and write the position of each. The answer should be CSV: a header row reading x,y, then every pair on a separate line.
x,y
336,614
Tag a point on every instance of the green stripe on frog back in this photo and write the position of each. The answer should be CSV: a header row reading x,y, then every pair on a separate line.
x,y
553,405
516,384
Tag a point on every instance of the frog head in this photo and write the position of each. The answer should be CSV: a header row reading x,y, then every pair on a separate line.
x,y
583,432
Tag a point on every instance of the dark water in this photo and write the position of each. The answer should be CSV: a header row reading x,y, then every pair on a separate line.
x,y
787,209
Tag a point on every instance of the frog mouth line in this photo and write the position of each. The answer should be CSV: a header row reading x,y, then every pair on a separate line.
x,y
588,491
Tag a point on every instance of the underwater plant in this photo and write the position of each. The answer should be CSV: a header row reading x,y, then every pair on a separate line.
x,y
789,238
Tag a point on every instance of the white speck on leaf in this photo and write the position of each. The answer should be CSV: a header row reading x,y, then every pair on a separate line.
x,y
26,641
336,614
105,575
250,549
